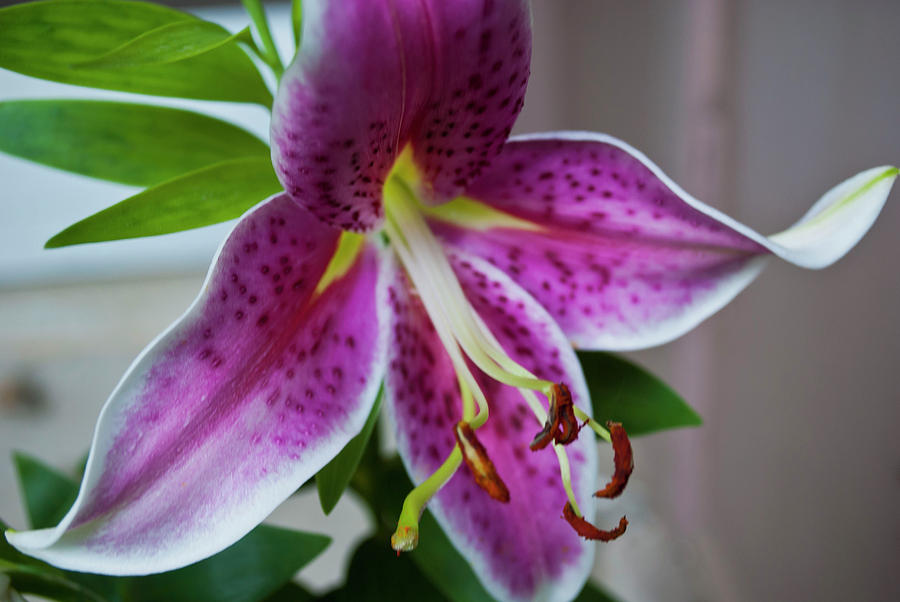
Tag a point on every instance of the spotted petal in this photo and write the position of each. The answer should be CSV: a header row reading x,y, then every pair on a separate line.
x,y
373,76
619,254
521,550
265,378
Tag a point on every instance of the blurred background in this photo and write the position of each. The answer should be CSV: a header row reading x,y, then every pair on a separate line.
x,y
791,489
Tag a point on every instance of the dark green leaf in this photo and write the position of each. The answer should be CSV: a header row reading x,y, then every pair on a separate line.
x,y
31,576
250,570
134,144
435,556
167,44
291,592
335,476
624,392
207,196
594,593
48,494
445,567
53,39
376,574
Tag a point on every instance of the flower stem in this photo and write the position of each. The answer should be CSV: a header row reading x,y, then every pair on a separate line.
x,y
269,54
297,20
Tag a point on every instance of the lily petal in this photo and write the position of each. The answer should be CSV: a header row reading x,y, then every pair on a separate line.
x,y
372,76
264,379
617,252
521,550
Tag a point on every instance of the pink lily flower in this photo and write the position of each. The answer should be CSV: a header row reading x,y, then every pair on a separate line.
x,y
416,244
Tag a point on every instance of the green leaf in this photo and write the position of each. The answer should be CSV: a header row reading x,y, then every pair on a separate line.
x,y
207,196
335,476
134,144
291,592
376,574
31,576
444,566
624,392
594,593
168,44
48,494
53,39
255,567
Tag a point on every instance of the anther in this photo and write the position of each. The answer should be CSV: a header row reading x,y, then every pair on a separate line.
x,y
568,424
477,460
623,459
561,425
589,531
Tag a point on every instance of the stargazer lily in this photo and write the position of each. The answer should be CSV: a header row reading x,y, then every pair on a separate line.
x,y
415,245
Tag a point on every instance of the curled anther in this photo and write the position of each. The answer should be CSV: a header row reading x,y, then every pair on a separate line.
x,y
561,425
568,424
623,459
589,531
476,458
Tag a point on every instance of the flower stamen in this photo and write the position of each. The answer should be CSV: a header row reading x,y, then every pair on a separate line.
x,y
623,460
440,291
589,531
476,458
464,335
561,425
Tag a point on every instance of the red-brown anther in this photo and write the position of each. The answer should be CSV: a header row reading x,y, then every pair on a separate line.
x,y
477,460
561,425
623,459
589,531
547,434
565,416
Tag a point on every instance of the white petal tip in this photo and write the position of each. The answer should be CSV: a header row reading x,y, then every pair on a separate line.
x,y
837,221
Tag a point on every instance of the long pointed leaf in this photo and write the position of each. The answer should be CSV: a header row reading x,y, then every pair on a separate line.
x,y
207,196
167,44
333,479
624,392
375,574
134,144
52,40
253,568
47,493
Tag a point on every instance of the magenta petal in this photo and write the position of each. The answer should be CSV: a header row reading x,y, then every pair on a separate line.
x,y
258,386
620,256
522,550
374,75
482,54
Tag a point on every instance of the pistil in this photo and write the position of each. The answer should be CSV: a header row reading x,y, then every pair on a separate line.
x,y
465,335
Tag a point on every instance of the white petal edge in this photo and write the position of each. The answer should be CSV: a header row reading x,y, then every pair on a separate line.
x,y
49,544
